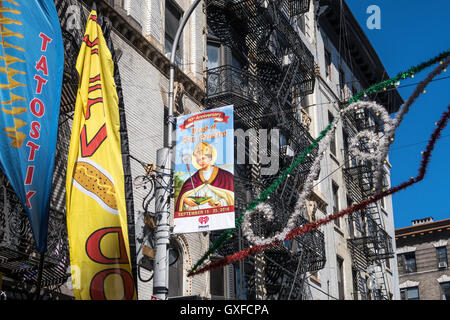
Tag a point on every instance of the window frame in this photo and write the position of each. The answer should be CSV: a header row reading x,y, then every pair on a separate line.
x,y
328,62
301,22
443,295
333,147
342,84
176,272
212,275
404,293
444,257
336,207
403,262
351,226
340,276
172,7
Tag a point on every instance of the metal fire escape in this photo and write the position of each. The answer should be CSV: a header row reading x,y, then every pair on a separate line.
x,y
370,246
278,70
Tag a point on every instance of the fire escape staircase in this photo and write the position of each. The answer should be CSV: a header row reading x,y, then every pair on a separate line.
x,y
374,245
279,69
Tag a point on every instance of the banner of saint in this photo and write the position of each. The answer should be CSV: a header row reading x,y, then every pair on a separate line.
x,y
203,179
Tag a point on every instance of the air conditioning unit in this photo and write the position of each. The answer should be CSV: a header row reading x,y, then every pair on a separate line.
x,y
287,151
287,59
442,264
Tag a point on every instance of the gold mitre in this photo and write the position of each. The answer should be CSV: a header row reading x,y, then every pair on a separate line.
x,y
203,148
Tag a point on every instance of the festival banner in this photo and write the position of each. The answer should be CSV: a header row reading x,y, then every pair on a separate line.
x,y
95,193
204,171
31,69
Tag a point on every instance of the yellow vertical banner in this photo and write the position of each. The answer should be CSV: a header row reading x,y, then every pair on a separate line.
x,y
95,192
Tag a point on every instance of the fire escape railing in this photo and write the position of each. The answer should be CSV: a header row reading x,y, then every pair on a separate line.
x,y
279,68
371,245
19,259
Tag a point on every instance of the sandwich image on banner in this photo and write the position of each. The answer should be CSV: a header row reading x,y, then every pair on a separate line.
x,y
95,192
31,71
204,171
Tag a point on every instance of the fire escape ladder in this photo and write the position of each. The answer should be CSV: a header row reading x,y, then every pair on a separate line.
x,y
300,275
278,67
362,286
381,278
372,247
288,80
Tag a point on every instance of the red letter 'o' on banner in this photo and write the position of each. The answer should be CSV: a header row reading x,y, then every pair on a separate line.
x,y
94,252
97,289
38,113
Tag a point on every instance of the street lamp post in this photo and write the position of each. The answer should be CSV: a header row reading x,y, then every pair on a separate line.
x,y
163,184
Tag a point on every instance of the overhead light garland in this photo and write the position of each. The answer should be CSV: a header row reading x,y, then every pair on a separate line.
x,y
426,155
371,90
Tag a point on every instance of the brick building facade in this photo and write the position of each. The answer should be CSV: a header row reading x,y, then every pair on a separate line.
x,y
423,261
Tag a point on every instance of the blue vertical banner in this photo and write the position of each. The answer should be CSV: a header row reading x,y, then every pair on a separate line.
x,y
31,70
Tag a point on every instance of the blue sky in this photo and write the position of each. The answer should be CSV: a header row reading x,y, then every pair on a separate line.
x,y
413,31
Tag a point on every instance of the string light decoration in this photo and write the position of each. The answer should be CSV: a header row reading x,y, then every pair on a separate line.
x,y
426,155
257,205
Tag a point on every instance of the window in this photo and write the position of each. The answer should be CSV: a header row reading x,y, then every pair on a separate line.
x,y
172,18
409,293
385,185
301,21
217,288
335,189
239,80
407,262
340,277
355,284
346,145
349,160
283,140
236,62
354,91
213,53
327,64
445,290
333,138
351,229
442,257
342,83
175,271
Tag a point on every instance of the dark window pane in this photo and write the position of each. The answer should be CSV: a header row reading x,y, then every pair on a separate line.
x,y
213,55
217,282
333,138
235,62
403,294
441,254
172,19
175,276
413,293
327,64
335,190
340,277
445,290
409,262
